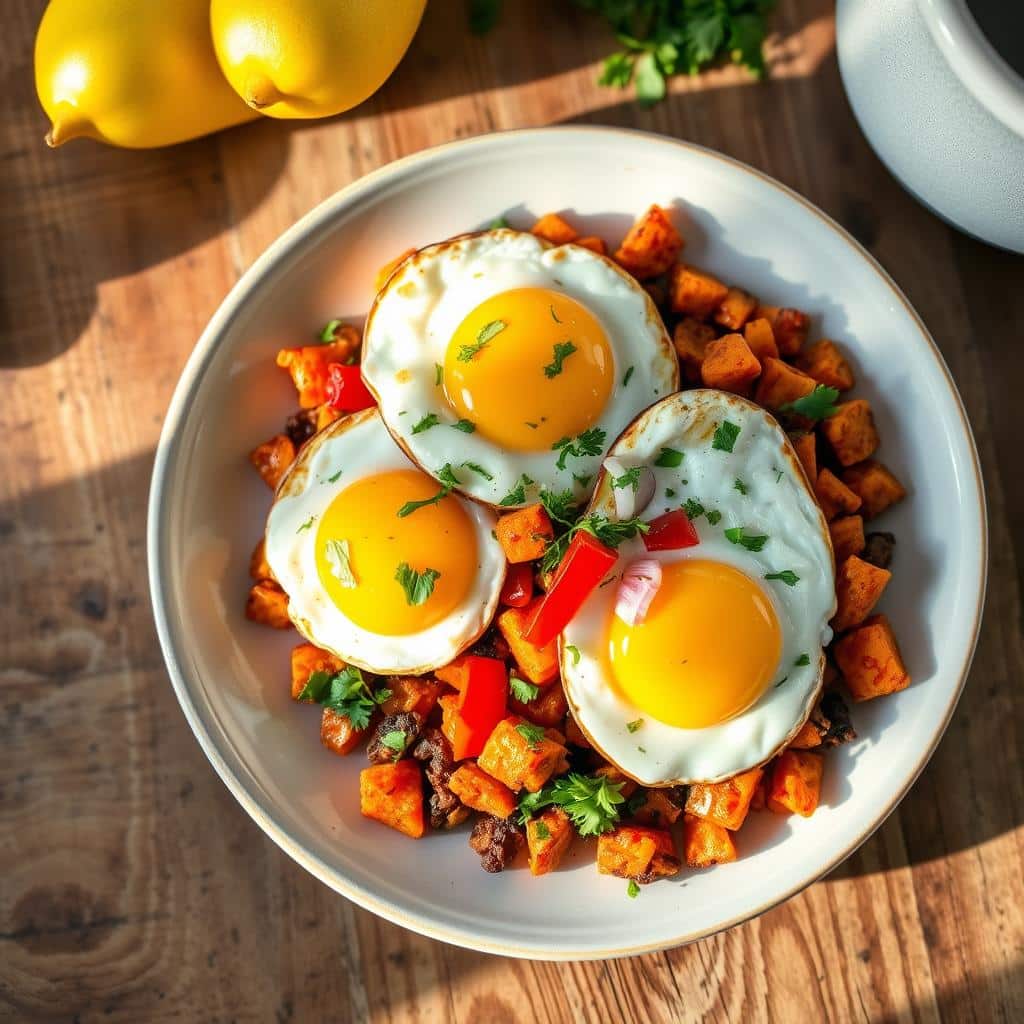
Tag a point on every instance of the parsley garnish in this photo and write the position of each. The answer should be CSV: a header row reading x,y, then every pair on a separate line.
x,y
626,376
484,335
466,426
635,724
346,693
574,653
815,405
693,508
418,586
396,740
591,801
541,830
590,442
739,485
725,436
498,222
561,351
517,496
561,508
737,535
804,659
533,734
438,374
778,474
631,478
780,682
306,525
523,691
714,516
669,458
334,478
787,576
554,315
633,889
327,334
430,420
610,532
475,467
339,558
448,480
669,493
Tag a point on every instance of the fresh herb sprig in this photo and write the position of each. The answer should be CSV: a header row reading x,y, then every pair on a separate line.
x,y
346,693
591,801
608,531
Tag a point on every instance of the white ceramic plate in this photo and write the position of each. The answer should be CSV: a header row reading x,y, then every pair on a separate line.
x,y
207,508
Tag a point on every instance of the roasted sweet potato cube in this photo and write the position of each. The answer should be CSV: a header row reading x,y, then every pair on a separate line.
x,y
729,365
834,496
658,809
761,339
307,659
272,459
393,795
476,789
781,384
695,292
807,738
594,244
789,325
389,268
691,339
859,585
759,800
870,661
538,664
706,843
638,852
826,364
652,245
847,537
259,567
410,693
268,605
795,786
548,836
851,432
627,787
875,485
308,364
806,445
726,803
548,708
575,735
736,309
513,756
337,733
449,704
554,229
525,533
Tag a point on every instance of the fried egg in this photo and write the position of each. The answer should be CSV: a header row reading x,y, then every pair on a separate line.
x,y
511,364
725,666
381,565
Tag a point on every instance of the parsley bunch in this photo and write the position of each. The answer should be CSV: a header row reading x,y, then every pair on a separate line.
x,y
591,801
346,693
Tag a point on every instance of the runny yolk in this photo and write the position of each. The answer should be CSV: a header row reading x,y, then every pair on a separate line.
x,y
439,537
545,373
707,649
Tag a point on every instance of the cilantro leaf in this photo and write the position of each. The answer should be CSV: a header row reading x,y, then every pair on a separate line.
x,y
396,740
517,496
815,405
574,653
430,420
634,725
468,352
607,531
523,691
631,478
627,375
418,586
725,436
561,351
316,686
475,467
591,801
466,426
693,508
804,659
633,889
738,535
448,481
306,525
327,334
561,507
669,458
533,734
617,70
714,517
541,830
498,222
787,576
590,442
346,694
739,485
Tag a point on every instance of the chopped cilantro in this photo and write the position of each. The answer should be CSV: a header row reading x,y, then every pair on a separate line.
x,y
475,467
737,535
523,691
693,508
590,442
778,474
430,420
306,525
561,351
448,480
561,508
345,693
468,352
498,222
533,734
333,479
591,801
815,405
669,493
418,586
631,478
466,426
669,458
780,682
635,724
633,889
725,436
787,576
714,517
554,315
804,659
396,740
739,485
574,652
541,830
517,496
327,334
626,376
610,532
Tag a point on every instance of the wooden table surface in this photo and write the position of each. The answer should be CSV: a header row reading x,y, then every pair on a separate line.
x,y
132,887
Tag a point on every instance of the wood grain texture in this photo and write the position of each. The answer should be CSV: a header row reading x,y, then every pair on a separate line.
x,y
131,885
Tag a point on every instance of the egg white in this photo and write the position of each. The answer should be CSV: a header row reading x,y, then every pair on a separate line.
x,y
356,447
430,294
779,504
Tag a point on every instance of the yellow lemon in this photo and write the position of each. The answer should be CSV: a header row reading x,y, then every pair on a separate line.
x,y
133,73
310,58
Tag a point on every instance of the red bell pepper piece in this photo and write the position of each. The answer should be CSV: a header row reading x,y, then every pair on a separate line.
x,y
670,532
582,568
518,586
345,389
482,704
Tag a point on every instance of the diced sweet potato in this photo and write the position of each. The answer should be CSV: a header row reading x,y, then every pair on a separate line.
x,y
652,245
759,800
859,585
789,325
691,339
593,243
694,292
538,664
455,673
326,415
726,803
735,310
730,365
781,384
574,734
476,789
307,659
875,485
870,661
272,459
554,229
393,795
337,733
389,268
637,852
706,843
825,363
548,836
525,533
308,364
807,738
449,704
806,445
851,432
410,693
627,787
268,605
847,537
512,757
795,786
761,339
259,567
658,809
834,496
548,708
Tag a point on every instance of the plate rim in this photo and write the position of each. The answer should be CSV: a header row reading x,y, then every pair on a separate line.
x,y
169,446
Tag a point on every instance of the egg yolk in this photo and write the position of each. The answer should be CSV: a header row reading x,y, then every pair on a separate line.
x,y
529,367
438,536
707,649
